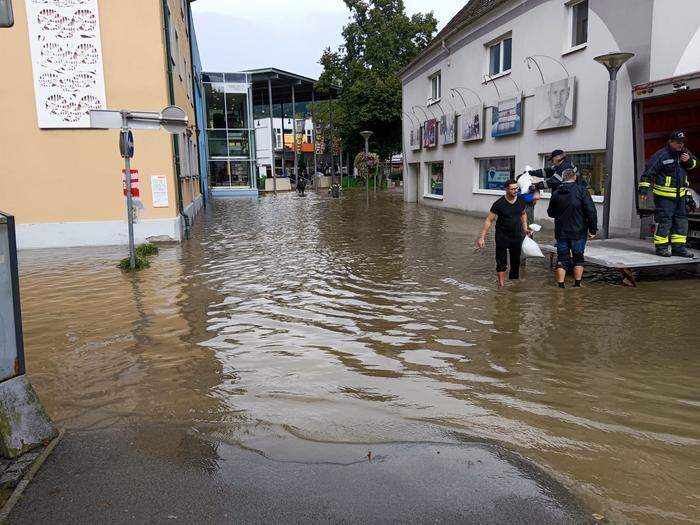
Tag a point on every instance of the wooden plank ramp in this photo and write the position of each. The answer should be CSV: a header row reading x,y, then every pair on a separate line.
x,y
625,255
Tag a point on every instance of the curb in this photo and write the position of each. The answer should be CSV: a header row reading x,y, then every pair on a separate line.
x,y
22,485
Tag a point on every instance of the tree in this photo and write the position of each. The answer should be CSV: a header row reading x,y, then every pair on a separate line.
x,y
379,40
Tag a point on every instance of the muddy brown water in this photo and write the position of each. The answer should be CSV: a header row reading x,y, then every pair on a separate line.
x,y
330,320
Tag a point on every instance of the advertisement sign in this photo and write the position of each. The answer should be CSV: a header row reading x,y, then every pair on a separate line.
x,y
554,104
430,133
159,191
507,117
415,138
495,172
473,123
448,128
66,52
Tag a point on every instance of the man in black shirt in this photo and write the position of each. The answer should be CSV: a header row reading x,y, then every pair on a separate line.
x,y
510,215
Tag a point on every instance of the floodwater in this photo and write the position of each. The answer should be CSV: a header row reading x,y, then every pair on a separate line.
x,y
332,321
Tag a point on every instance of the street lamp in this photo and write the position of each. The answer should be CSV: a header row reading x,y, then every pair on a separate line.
x,y
366,135
612,62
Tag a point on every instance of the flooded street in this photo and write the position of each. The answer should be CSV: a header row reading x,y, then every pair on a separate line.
x,y
287,321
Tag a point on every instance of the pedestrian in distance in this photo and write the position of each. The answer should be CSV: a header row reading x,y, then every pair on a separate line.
x,y
666,175
575,222
509,213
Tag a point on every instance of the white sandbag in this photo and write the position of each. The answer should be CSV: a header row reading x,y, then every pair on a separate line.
x,y
535,227
524,182
696,197
531,248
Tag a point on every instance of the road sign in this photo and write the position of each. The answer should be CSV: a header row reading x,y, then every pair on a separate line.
x,y
173,119
126,144
135,192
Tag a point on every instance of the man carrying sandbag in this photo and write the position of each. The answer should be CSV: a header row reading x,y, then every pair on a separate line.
x,y
511,227
575,221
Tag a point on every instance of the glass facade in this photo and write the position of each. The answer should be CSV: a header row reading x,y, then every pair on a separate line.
x,y
229,133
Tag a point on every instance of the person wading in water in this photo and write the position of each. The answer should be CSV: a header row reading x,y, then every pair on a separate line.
x,y
510,215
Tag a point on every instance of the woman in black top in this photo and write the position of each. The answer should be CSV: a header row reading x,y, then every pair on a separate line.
x,y
510,215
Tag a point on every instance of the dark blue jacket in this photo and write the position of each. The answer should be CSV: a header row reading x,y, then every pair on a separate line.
x,y
553,178
573,211
667,173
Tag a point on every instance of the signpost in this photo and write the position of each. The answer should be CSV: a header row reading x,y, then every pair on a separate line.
x,y
172,119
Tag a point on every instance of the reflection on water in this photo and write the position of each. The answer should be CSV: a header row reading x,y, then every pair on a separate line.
x,y
333,321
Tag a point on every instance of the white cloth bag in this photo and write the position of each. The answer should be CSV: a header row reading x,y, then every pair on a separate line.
x,y
530,248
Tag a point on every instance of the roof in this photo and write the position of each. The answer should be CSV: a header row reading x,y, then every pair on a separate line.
x,y
470,13
281,82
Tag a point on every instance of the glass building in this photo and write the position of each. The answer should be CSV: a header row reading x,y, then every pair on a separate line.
x,y
230,133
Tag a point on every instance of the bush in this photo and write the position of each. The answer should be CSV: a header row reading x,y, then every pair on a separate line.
x,y
144,250
141,263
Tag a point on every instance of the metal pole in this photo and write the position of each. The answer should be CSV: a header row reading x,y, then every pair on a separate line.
x,y
129,203
313,128
284,159
294,130
272,137
330,109
367,174
340,163
609,150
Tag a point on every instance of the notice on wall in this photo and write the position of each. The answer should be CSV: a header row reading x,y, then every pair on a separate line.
x,y
159,191
66,49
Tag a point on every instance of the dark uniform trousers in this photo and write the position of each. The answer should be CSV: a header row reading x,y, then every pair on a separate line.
x,y
671,219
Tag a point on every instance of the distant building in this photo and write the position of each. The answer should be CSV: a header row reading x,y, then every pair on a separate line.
x,y
240,136
62,181
509,81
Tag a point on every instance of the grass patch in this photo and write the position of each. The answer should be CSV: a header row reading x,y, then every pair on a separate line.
x,y
146,250
141,263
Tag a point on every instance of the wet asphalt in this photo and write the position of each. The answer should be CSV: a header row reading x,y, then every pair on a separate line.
x,y
163,473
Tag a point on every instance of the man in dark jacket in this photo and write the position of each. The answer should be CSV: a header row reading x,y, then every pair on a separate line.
x,y
666,175
552,176
575,221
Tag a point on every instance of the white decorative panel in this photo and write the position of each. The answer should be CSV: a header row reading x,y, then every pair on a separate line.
x,y
67,60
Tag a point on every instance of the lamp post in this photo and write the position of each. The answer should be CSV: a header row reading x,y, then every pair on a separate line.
x,y
612,62
366,135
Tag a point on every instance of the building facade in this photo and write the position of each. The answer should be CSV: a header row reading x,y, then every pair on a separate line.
x,y
63,181
230,135
508,81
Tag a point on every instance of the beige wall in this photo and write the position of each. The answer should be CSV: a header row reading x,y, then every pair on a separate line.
x,y
74,175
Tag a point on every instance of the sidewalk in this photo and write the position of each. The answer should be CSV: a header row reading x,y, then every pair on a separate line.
x,y
170,474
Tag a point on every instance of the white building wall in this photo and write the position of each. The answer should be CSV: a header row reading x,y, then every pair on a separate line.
x,y
539,27
675,38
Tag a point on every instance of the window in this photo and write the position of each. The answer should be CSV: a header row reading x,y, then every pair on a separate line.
x,y
591,166
218,146
216,110
309,137
500,56
579,23
236,110
435,180
278,138
494,172
6,18
237,144
435,87
239,172
218,173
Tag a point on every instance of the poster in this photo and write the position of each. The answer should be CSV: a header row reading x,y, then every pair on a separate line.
x,y
415,138
430,133
66,51
159,191
554,104
448,131
495,173
507,118
473,123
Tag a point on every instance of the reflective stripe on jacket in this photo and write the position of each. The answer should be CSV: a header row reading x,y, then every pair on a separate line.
x,y
666,174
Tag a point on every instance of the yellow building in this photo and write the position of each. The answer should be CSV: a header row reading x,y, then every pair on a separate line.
x,y
63,181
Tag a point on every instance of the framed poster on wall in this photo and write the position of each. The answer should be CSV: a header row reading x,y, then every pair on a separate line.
x,y
430,133
448,131
554,104
507,117
473,123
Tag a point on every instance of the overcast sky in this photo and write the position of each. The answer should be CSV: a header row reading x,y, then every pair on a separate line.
x,y
287,34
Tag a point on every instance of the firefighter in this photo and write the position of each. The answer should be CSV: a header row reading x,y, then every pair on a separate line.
x,y
551,177
666,175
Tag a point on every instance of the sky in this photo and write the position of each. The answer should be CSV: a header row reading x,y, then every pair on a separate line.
x,y
235,35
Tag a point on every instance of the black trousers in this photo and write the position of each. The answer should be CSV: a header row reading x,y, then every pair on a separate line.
x,y
504,245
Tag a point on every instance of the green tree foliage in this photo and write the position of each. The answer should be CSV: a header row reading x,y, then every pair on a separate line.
x,y
379,40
